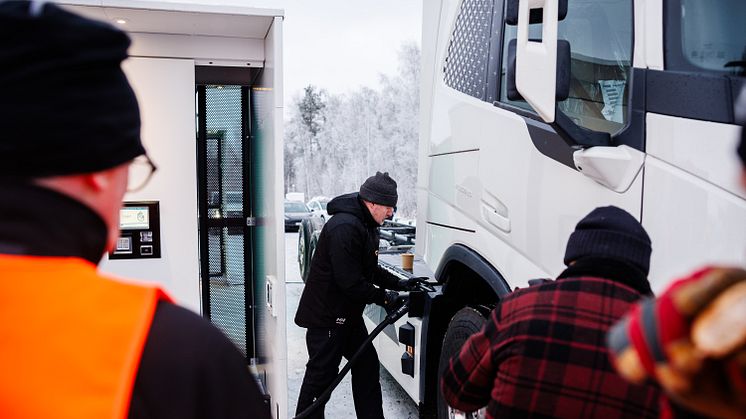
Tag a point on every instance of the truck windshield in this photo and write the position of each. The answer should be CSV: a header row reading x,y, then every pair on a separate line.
x,y
712,36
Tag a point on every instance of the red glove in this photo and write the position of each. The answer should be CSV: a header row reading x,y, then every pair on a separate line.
x,y
691,340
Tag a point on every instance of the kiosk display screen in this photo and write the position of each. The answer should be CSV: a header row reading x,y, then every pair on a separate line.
x,y
140,231
134,218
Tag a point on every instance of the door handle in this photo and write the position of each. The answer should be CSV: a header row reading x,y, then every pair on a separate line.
x,y
498,220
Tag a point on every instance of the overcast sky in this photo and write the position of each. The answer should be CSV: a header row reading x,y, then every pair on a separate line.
x,y
340,45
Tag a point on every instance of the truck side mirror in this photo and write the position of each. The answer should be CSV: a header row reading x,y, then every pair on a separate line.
x,y
563,71
535,16
536,62
539,72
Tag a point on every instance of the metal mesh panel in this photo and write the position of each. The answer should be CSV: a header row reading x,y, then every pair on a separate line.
x,y
216,252
262,106
227,294
468,52
214,199
225,175
226,247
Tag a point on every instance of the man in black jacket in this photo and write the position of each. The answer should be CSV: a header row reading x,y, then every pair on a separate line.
x,y
341,282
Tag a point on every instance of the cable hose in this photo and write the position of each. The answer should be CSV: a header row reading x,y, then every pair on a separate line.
x,y
321,400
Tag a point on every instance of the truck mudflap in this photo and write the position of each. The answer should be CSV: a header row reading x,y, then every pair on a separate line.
x,y
401,348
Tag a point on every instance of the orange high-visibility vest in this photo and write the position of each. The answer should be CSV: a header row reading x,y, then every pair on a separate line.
x,y
70,339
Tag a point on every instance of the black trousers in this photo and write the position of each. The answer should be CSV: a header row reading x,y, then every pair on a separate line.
x,y
326,347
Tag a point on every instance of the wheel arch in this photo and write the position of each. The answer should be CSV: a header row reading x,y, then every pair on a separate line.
x,y
458,258
468,280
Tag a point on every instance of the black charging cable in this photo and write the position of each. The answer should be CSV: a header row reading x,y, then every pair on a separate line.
x,y
321,400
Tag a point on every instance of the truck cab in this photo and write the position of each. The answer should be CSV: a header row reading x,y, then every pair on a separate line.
x,y
535,112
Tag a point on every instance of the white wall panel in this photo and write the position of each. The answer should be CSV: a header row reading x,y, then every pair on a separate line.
x,y
198,47
165,91
268,107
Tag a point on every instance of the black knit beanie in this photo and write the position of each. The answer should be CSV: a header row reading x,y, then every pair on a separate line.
x,y
612,233
67,106
739,111
380,189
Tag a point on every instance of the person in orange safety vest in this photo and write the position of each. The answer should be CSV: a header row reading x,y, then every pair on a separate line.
x,y
74,343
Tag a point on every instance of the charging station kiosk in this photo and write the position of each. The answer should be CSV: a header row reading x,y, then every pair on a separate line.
x,y
208,227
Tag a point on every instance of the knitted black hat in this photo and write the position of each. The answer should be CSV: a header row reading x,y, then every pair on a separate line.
x,y
740,115
610,232
380,189
66,104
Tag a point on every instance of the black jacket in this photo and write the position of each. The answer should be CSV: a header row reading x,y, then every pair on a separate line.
x,y
344,267
188,368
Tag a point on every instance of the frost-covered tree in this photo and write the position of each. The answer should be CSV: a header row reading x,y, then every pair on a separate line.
x,y
400,126
311,109
334,142
303,154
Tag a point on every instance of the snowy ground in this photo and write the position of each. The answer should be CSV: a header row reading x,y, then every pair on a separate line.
x,y
396,403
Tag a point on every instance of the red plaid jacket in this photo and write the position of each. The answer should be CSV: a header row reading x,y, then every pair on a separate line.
x,y
542,353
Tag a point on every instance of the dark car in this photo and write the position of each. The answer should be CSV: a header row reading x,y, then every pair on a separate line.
x,y
295,213
229,204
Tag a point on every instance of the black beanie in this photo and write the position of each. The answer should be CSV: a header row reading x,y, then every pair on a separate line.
x,y
739,111
67,106
380,189
612,233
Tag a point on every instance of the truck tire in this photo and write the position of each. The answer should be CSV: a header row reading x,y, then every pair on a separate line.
x,y
304,250
463,324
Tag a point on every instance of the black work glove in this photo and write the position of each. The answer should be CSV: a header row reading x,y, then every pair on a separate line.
x,y
407,284
392,301
411,284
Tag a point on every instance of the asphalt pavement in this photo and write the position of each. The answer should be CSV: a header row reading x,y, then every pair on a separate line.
x,y
396,403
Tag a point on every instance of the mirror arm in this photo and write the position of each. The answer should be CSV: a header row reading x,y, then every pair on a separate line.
x,y
575,135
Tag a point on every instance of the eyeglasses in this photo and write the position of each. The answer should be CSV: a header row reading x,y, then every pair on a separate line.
x,y
140,171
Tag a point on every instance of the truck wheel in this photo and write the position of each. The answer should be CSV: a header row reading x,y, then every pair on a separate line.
x,y
463,324
304,250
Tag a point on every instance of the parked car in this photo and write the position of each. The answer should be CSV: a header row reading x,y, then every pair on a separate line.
x,y
295,212
295,196
308,237
395,237
317,205
227,205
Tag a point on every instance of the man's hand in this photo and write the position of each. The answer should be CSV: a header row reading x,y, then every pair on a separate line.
x,y
411,284
407,284
393,301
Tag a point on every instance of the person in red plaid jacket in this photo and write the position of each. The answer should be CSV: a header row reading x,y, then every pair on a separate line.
x,y
542,353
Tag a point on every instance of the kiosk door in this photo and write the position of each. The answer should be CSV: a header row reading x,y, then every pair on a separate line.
x,y
226,211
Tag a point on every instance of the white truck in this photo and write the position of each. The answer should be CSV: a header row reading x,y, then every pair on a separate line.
x,y
627,103
208,79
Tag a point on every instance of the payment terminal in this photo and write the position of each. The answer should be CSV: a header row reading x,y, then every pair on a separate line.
x,y
140,236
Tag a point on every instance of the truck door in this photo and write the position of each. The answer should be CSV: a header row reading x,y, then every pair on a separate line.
x,y
694,207
511,190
